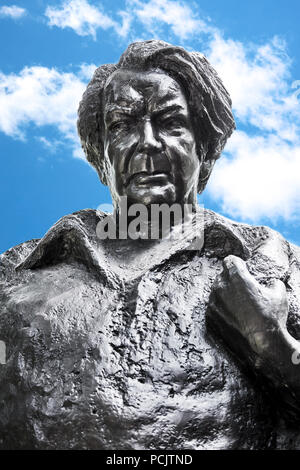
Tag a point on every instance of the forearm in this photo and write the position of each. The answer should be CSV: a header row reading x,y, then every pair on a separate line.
x,y
278,359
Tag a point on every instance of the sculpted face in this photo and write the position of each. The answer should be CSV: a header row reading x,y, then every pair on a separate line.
x,y
149,139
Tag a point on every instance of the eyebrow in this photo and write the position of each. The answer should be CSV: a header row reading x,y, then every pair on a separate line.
x,y
133,109
115,108
169,109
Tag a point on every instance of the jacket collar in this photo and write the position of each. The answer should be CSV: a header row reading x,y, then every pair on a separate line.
x,y
74,237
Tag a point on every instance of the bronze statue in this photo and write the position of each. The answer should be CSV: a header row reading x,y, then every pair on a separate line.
x,y
125,343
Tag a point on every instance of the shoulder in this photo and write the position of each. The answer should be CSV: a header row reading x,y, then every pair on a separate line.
x,y
39,275
268,256
267,253
68,234
220,231
11,258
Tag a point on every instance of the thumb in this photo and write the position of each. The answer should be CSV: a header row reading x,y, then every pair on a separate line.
x,y
235,270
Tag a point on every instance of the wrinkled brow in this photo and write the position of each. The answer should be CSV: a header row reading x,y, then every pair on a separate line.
x,y
135,108
172,108
132,108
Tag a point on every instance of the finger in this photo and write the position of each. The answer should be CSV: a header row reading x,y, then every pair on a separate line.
x,y
277,292
278,288
239,277
236,291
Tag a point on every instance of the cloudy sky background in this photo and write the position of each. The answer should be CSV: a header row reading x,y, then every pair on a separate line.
x,y
49,50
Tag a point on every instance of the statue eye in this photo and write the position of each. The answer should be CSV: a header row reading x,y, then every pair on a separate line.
x,y
117,125
172,123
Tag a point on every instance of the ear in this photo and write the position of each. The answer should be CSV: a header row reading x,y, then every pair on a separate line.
x,y
205,171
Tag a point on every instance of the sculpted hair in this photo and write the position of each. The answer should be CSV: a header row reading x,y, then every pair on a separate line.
x,y
208,100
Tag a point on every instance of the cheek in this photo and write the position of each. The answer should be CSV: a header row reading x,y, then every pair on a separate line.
x,y
182,152
118,147
117,152
109,155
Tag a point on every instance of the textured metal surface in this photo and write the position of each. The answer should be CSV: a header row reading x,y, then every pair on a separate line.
x,y
138,344
104,355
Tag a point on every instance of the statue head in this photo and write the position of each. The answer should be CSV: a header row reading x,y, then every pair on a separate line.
x,y
154,124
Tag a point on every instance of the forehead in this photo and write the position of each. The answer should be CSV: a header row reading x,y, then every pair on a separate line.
x,y
126,88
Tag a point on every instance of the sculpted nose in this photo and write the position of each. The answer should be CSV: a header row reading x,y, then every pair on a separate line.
x,y
148,156
148,140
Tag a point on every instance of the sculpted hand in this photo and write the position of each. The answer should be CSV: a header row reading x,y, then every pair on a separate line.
x,y
257,312
251,318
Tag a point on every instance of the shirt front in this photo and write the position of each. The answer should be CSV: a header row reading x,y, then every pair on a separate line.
x,y
104,356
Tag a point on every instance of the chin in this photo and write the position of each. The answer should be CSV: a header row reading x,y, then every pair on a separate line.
x,y
152,195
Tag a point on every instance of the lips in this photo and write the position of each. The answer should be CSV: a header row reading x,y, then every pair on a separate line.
x,y
149,179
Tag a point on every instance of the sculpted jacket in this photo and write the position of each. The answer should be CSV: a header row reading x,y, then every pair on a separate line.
x,y
101,355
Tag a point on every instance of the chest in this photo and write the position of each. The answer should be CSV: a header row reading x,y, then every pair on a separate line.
x,y
108,364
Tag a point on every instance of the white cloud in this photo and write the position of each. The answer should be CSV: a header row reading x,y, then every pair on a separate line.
x,y
40,96
85,18
123,28
258,176
258,80
50,145
176,14
259,180
86,71
12,12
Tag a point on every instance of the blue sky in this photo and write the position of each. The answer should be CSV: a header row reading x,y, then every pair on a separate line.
x,y
49,49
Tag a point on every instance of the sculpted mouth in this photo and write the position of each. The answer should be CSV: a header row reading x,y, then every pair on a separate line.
x,y
149,179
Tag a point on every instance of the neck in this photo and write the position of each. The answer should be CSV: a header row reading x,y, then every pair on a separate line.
x,y
152,222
